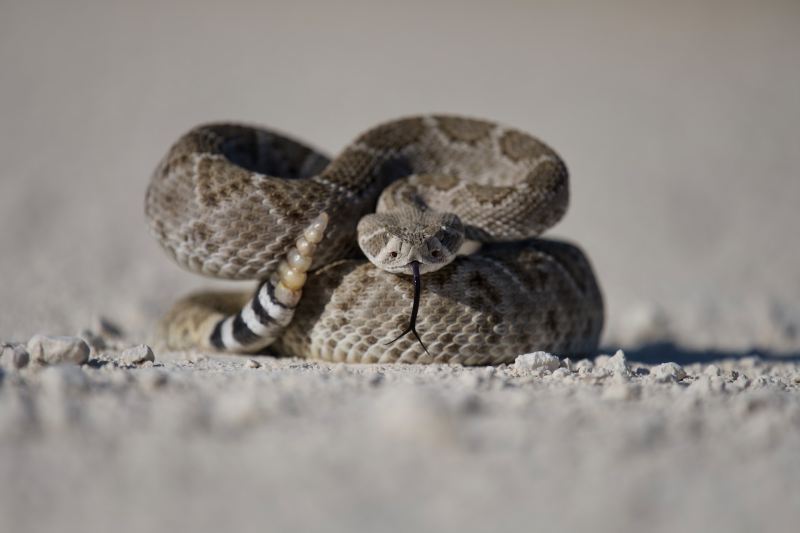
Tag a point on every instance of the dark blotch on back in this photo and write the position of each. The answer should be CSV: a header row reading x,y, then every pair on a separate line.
x,y
272,155
485,287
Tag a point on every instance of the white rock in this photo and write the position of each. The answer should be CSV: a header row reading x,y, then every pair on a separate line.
x,y
531,361
13,356
668,372
137,355
52,350
561,373
706,385
617,364
601,360
712,370
599,372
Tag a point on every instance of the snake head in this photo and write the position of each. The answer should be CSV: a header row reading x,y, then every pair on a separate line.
x,y
394,239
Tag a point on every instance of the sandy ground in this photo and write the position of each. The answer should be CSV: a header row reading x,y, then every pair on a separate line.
x,y
204,444
679,122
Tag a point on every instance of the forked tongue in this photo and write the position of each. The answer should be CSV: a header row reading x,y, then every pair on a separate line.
x,y
412,325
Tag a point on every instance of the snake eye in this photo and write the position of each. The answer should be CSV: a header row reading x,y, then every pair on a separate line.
x,y
436,253
392,254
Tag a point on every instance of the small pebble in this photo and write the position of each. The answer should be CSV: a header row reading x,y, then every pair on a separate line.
x,y
252,363
705,385
600,372
668,372
52,350
712,370
601,360
561,373
531,361
13,356
617,364
137,355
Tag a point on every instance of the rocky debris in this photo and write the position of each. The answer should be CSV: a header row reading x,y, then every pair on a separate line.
x,y
742,382
616,365
561,373
668,372
13,356
54,350
705,385
535,360
252,363
137,355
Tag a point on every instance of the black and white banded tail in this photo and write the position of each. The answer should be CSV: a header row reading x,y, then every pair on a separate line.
x,y
264,317
258,324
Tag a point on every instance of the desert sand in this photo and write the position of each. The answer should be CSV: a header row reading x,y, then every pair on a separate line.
x,y
679,123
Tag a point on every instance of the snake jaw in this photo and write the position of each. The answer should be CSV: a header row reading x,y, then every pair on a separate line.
x,y
412,324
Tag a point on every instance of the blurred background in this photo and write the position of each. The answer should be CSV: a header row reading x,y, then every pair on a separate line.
x,y
679,122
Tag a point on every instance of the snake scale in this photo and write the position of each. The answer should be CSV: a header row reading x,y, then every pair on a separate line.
x,y
427,225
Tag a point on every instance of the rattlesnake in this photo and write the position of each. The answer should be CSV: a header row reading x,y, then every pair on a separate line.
x,y
240,202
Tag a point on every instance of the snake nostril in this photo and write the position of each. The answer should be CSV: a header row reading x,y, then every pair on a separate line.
x,y
392,254
436,253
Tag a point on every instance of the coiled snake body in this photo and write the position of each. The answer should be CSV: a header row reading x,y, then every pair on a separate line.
x,y
459,201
